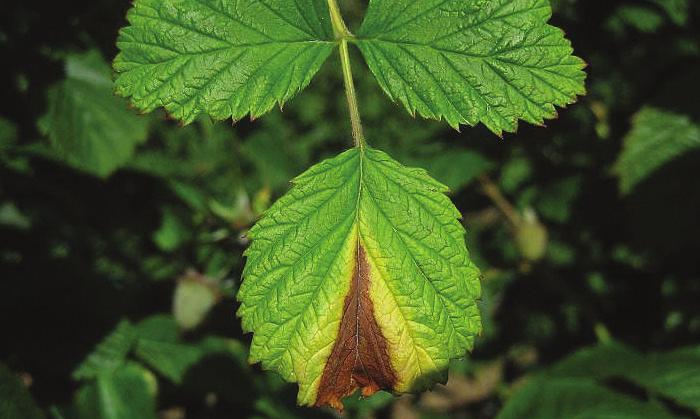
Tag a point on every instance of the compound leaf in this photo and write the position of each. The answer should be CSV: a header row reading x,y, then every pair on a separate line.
x,y
225,58
656,138
360,277
493,62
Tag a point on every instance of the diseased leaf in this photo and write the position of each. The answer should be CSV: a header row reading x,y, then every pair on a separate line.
x,y
223,58
87,125
656,138
493,62
359,277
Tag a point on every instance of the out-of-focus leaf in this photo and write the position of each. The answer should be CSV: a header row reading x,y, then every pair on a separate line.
x,y
170,359
160,347
515,173
171,233
110,353
674,375
201,163
270,159
89,127
642,18
15,400
158,327
10,215
457,169
656,138
554,201
8,134
128,392
677,10
548,398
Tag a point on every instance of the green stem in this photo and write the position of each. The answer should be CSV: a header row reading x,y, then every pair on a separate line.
x,y
342,34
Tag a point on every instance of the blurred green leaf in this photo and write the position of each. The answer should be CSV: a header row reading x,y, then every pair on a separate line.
x,y
549,398
15,400
89,127
674,375
677,10
110,354
160,346
554,201
8,134
172,232
642,18
656,138
516,172
10,215
457,169
128,392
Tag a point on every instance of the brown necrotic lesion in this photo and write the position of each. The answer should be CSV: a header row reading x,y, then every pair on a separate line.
x,y
360,355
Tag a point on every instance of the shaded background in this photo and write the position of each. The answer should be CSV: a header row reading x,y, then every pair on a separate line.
x,y
130,228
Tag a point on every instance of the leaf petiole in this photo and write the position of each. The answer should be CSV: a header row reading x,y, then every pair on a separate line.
x,y
342,34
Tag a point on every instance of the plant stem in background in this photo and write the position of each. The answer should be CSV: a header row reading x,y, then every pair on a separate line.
x,y
494,193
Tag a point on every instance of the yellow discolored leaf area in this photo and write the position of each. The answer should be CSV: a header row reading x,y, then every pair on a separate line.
x,y
359,278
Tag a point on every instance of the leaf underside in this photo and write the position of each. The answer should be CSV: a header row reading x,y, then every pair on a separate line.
x,y
359,277
223,58
467,62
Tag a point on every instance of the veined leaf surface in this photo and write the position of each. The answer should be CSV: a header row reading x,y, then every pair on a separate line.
x,y
225,58
359,278
493,62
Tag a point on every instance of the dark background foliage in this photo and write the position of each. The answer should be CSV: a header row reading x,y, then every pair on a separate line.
x,y
586,265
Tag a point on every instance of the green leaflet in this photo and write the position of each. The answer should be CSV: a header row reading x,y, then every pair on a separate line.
x,y
225,58
492,62
423,285
125,393
110,354
87,125
545,398
576,385
656,138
